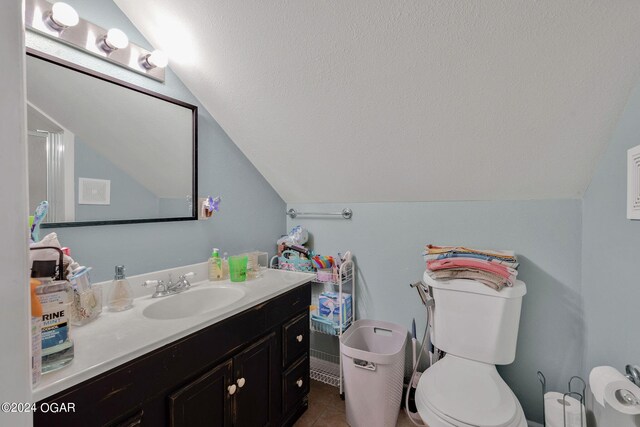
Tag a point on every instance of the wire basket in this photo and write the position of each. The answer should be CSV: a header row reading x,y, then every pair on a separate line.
x,y
335,275
326,326
325,367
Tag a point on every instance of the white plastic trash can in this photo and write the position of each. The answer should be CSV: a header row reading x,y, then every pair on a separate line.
x,y
373,366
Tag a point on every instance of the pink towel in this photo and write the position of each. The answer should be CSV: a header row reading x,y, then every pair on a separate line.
x,y
451,263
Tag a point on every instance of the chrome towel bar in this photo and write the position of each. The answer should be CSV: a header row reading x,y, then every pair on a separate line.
x,y
346,213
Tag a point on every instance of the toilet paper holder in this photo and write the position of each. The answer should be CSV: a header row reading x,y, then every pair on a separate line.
x,y
633,374
580,396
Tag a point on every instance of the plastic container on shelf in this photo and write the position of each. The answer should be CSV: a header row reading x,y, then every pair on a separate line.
x,y
373,355
325,275
292,261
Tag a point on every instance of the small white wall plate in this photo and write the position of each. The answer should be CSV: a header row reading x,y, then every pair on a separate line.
x,y
633,183
94,191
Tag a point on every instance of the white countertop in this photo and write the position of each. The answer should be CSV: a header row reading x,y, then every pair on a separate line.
x,y
116,338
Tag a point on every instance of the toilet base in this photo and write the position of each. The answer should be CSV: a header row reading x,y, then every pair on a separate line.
x,y
458,392
433,419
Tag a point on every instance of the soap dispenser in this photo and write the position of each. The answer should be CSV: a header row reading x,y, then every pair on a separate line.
x,y
121,295
215,266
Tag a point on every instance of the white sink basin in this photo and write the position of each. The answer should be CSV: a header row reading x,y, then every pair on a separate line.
x,y
193,302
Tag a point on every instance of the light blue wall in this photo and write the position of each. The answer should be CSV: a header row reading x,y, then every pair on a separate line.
x,y
251,215
388,239
611,253
128,199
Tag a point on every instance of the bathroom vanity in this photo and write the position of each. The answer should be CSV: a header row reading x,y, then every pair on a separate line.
x,y
244,364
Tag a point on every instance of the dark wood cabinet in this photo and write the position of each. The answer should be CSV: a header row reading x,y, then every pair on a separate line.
x,y
256,382
133,421
295,339
295,384
233,373
205,401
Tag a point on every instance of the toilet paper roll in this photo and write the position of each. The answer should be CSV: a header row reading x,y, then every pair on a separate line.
x,y
557,411
622,396
600,377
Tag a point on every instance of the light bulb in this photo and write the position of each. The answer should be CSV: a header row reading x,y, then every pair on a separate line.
x,y
62,16
116,39
157,58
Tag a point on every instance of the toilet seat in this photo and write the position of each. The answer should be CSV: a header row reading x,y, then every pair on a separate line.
x,y
466,393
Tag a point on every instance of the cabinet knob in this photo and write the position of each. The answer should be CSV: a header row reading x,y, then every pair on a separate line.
x,y
231,389
299,338
240,382
299,382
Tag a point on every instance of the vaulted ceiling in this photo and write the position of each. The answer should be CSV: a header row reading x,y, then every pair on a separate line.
x,y
407,100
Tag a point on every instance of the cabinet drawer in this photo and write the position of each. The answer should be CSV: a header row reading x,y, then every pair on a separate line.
x,y
295,301
295,338
295,384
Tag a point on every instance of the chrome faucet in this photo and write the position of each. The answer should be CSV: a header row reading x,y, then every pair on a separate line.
x,y
164,289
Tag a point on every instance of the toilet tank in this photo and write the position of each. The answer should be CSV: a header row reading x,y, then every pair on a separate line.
x,y
474,321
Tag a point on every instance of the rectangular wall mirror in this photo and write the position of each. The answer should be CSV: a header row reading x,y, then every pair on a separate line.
x,y
102,151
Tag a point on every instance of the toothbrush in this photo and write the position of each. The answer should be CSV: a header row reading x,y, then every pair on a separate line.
x,y
38,217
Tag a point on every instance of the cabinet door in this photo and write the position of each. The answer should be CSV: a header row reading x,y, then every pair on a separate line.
x,y
205,401
256,371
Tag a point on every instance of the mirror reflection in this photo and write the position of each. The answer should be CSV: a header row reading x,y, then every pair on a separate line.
x,y
103,152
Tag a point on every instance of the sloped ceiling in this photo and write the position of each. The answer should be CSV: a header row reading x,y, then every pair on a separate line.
x,y
407,100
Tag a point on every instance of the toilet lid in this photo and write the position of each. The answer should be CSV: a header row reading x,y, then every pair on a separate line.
x,y
469,392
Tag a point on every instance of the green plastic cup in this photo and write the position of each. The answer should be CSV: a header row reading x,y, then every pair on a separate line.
x,y
238,268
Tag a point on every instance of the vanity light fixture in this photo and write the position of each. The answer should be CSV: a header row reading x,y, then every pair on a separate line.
x,y
114,39
61,16
60,22
155,59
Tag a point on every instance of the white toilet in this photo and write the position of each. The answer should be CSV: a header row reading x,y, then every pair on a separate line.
x,y
478,328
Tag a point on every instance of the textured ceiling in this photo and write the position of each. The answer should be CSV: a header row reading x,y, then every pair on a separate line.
x,y
407,100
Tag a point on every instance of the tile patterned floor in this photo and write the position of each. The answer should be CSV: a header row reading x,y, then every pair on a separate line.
x,y
327,409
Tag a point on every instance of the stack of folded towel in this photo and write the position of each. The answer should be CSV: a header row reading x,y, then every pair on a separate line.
x,y
495,269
